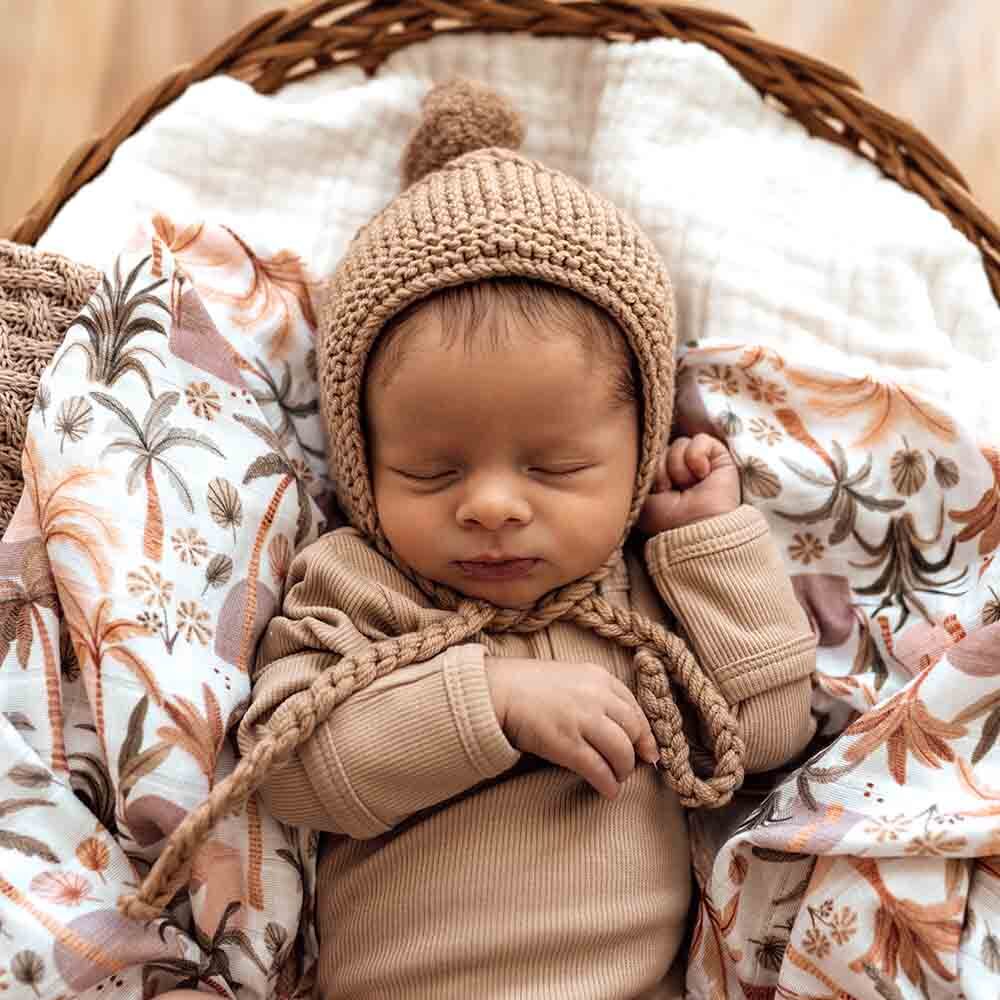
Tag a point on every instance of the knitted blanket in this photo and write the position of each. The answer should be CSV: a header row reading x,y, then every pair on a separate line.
x,y
177,464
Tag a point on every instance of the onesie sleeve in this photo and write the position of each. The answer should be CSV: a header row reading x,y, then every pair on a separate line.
x,y
411,739
724,580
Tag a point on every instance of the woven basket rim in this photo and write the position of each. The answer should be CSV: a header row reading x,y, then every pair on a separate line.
x,y
285,45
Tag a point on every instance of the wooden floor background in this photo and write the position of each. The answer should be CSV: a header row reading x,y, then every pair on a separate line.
x,y
68,68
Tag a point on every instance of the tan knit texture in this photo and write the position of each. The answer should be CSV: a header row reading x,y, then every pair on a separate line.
x,y
458,118
40,295
488,213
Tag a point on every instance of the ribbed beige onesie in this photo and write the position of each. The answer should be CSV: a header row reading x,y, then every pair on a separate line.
x,y
455,866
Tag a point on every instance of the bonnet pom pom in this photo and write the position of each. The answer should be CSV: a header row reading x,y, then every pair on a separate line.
x,y
459,116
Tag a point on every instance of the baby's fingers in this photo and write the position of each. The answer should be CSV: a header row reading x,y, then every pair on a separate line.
x,y
585,761
681,475
612,742
707,453
625,711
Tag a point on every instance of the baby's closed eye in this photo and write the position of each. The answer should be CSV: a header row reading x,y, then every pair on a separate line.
x,y
546,471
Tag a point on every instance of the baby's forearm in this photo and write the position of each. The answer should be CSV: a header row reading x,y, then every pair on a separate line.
x,y
414,738
726,583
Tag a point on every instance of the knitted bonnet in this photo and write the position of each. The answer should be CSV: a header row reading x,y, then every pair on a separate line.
x,y
472,208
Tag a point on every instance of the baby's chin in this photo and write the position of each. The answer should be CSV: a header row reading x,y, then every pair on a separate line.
x,y
502,594
518,595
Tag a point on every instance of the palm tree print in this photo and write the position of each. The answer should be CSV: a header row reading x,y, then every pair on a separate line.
x,y
844,497
148,442
906,571
20,620
291,409
99,636
214,960
112,325
274,463
63,517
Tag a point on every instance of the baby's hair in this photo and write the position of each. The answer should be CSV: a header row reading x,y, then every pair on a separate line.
x,y
478,312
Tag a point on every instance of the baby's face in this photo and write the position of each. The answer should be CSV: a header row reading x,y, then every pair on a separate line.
x,y
516,453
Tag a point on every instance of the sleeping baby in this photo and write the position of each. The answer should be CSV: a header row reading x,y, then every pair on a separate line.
x,y
561,601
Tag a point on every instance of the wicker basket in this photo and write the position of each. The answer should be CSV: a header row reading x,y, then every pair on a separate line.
x,y
282,46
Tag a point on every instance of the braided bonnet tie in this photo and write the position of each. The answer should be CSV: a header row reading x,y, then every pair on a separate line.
x,y
661,658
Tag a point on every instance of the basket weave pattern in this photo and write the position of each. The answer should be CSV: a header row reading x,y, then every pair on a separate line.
x,y
40,295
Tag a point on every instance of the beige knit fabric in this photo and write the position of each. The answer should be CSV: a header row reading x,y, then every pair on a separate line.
x,y
488,213
40,295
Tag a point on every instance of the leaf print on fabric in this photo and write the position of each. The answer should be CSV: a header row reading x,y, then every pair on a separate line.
x,y
218,572
946,472
134,762
936,843
224,505
990,613
199,735
279,556
62,888
908,469
906,726
279,286
797,430
76,417
10,806
91,783
989,952
910,935
984,518
29,776
214,960
94,855
988,736
906,571
886,405
28,968
278,289
43,399
756,477
30,847
111,324
149,442
841,505
274,463
729,424
708,940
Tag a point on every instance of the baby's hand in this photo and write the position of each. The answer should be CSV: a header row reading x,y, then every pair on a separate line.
x,y
697,479
576,715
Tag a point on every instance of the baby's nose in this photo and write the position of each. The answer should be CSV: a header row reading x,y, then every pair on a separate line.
x,y
493,511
